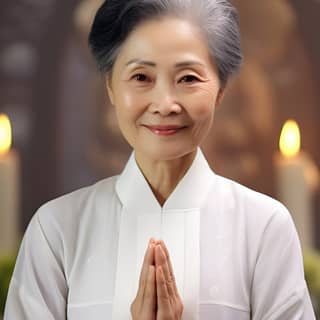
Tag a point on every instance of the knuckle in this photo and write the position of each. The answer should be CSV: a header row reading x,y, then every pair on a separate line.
x,y
148,295
170,282
171,277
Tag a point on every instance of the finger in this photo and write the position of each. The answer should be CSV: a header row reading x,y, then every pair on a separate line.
x,y
163,299
163,262
172,277
148,260
149,297
160,259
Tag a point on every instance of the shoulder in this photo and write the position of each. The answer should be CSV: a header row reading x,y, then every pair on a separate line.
x,y
262,227
76,203
260,217
66,214
67,221
250,202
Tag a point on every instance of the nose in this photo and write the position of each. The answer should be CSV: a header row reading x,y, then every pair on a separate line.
x,y
164,102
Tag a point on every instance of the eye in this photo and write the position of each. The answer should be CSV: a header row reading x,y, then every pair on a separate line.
x,y
140,77
189,78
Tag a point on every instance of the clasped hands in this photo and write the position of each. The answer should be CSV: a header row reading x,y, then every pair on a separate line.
x,y
157,297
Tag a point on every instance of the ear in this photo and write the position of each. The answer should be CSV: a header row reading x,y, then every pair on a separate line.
x,y
220,95
109,89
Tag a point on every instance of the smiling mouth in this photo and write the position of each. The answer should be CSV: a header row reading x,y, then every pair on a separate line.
x,y
165,130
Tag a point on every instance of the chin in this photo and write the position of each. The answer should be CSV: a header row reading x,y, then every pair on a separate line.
x,y
168,153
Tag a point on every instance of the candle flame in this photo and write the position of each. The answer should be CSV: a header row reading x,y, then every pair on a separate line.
x,y
5,134
290,139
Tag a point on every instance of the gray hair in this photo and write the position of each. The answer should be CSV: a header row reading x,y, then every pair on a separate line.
x,y
217,19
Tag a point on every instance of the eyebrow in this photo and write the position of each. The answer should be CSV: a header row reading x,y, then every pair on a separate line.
x,y
186,63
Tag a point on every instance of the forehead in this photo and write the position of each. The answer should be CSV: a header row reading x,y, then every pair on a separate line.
x,y
165,39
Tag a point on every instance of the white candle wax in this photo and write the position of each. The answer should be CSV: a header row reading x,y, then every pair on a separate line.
x,y
296,179
9,202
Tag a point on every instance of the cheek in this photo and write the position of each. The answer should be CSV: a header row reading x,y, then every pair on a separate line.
x,y
202,110
125,101
203,104
128,107
202,118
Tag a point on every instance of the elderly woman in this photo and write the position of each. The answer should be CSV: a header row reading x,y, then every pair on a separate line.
x,y
167,239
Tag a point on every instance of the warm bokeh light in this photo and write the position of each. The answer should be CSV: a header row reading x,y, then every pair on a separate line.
x,y
5,134
290,139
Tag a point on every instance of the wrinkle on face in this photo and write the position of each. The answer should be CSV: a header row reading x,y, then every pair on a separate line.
x,y
163,51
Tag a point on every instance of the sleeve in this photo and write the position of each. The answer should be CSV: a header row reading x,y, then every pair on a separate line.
x,y
38,287
279,290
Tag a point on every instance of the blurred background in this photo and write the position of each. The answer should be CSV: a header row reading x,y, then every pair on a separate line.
x,y
65,135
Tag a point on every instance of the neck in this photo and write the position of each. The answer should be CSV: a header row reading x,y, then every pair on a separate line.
x,y
164,175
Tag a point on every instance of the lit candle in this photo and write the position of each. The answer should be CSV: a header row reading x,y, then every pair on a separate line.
x,y
297,178
9,190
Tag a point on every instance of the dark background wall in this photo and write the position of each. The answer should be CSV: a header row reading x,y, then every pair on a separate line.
x,y
66,133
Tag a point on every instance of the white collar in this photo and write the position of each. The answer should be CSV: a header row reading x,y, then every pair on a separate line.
x,y
134,191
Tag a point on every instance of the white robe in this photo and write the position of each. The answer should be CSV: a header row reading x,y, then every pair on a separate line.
x,y
235,252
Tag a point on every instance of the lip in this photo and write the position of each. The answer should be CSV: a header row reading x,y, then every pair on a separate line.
x,y
165,130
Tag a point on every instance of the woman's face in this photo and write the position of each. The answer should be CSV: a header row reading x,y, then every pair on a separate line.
x,y
164,87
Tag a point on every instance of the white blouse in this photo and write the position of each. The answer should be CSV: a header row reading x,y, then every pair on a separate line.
x,y
235,252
